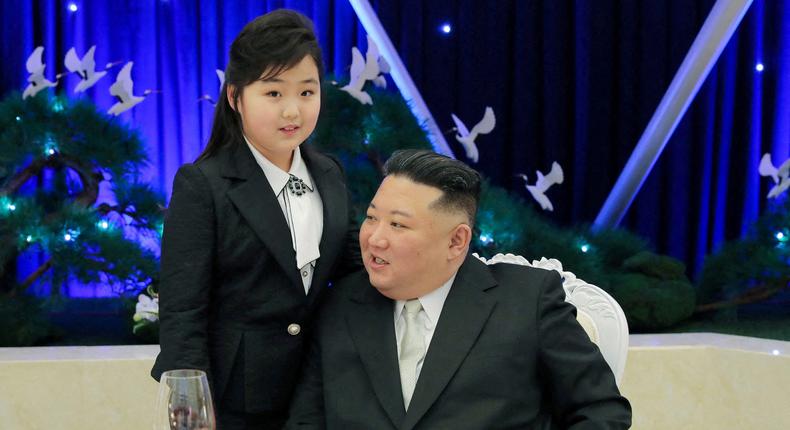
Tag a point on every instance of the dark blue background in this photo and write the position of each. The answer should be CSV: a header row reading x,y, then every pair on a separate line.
x,y
574,82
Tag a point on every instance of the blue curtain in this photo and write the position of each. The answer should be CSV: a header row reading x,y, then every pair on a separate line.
x,y
577,82
574,82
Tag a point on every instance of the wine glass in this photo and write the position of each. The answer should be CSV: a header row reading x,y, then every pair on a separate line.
x,y
184,401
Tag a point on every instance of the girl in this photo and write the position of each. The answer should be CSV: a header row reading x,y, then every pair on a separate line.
x,y
255,229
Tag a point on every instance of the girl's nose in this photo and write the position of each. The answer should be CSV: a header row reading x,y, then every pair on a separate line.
x,y
291,110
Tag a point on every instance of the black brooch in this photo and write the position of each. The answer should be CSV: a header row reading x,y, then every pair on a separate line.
x,y
297,186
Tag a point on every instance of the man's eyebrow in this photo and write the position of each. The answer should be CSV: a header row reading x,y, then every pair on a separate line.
x,y
395,211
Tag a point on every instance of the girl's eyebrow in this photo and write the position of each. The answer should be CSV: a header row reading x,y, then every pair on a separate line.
x,y
278,80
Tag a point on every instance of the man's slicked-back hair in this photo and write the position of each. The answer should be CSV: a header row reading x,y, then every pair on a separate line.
x,y
459,183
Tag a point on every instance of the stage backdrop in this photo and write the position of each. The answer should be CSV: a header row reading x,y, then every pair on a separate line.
x,y
573,82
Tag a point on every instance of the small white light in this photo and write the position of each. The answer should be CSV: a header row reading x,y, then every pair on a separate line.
x,y
585,248
104,225
51,151
780,236
759,67
775,352
18,118
73,7
446,28
29,238
67,237
11,207
486,239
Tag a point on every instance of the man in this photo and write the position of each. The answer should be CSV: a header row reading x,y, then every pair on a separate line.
x,y
431,338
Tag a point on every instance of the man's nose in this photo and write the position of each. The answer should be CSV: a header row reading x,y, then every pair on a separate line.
x,y
377,238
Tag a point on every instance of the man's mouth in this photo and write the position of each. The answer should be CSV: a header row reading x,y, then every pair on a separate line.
x,y
378,260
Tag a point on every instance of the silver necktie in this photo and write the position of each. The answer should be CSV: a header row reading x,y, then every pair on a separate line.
x,y
412,349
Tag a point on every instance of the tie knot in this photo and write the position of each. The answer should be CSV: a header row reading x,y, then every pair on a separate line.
x,y
413,306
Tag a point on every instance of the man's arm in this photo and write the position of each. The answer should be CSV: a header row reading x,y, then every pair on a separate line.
x,y
583,392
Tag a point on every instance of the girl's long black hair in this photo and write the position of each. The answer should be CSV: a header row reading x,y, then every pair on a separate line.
x,y
267,46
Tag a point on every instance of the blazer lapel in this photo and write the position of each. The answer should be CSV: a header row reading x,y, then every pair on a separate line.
x,y
328,181
259,206
372,328
464,314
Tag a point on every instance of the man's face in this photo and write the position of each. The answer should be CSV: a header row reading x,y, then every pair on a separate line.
x,y
405,243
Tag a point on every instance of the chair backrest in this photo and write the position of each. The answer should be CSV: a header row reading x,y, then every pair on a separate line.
x,y
597,312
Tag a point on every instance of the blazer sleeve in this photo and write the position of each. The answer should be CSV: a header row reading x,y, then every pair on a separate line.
x,y
188,255
582,389
350,258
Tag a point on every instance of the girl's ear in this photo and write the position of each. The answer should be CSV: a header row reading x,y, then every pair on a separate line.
x,y
230,92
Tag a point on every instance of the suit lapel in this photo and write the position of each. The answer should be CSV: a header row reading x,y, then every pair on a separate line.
x,y
372,328
464,314
258,205
328,181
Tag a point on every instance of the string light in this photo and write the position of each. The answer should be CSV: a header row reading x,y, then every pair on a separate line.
x,y
759,67
103,224
7,204
50,147
71,235
446,28
73,7
486,239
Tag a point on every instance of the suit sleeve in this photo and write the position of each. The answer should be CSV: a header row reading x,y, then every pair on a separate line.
x,y
582,389
188,251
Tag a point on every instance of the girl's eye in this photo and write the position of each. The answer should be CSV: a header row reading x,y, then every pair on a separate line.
x,y
397,225
273,94
308,93
370,218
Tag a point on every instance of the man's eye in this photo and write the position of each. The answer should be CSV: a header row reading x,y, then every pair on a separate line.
x,y
397,225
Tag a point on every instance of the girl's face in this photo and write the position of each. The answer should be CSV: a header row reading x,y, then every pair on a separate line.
x,y
279,113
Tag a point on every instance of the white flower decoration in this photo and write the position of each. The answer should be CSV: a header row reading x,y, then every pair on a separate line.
x,y
146,309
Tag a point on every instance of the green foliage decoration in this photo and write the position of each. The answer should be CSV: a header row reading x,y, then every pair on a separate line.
x,y
55,153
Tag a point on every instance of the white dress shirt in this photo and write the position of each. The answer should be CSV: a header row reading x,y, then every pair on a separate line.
x,y
304,214
432,304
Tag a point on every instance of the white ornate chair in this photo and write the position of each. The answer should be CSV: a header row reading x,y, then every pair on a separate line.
x,y
597,312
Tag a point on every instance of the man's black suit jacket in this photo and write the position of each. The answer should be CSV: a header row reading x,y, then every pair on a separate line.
x,y
507,353
230,287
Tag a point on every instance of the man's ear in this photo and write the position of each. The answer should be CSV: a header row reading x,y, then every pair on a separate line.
x,y
231,90
460,239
